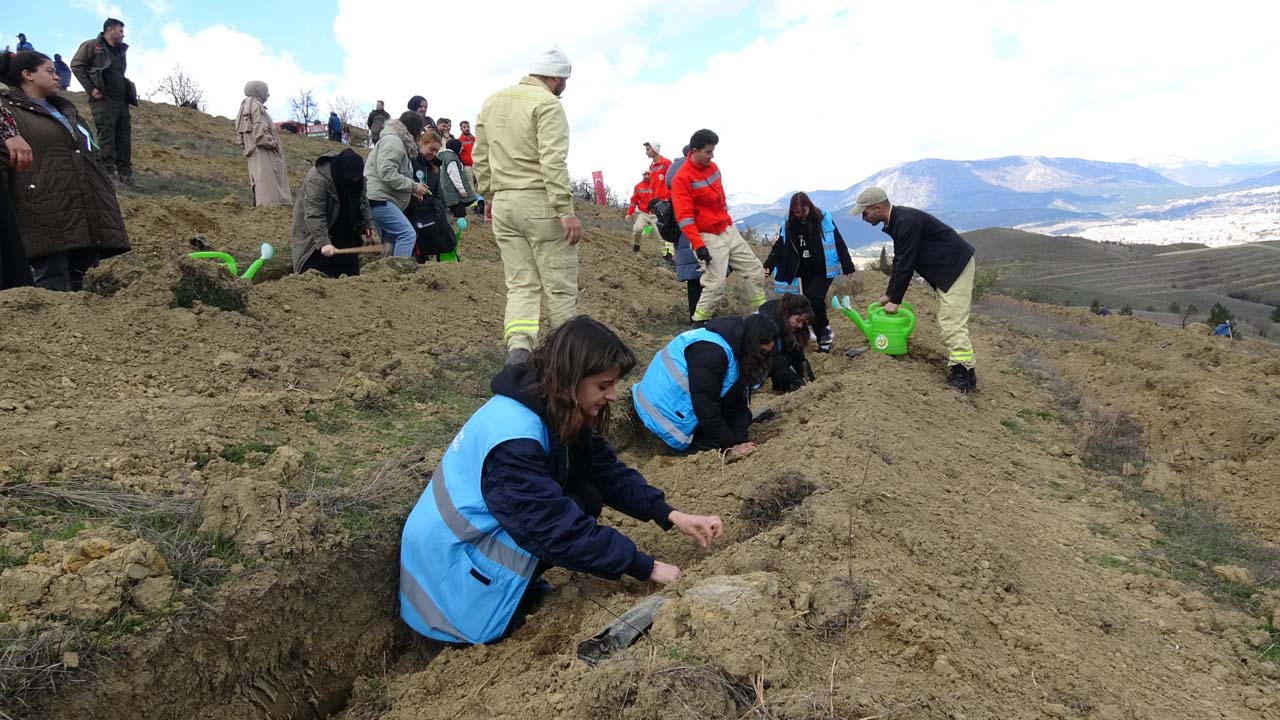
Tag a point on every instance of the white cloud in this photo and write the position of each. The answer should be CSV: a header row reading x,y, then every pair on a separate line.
x,y
222,60
829,91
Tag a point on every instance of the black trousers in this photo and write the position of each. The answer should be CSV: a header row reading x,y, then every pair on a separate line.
x,y
14,269
694,289
65,270
335,266
115,135
815,288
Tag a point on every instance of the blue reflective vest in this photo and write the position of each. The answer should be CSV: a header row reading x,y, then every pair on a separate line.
x,y
662,399
829,255
461,574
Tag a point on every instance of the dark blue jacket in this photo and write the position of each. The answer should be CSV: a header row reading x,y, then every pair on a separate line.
x,y
531,493
335,124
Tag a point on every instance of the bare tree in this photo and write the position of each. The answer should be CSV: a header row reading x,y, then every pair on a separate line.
x,y
182,89
348,110
1186,314
303,108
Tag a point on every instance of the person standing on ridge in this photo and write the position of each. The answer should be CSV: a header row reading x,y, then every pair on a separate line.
x,y
639,206
63,70
702,213
521,152
99,64
418,104
335,127
377,119
75,222
23,45
807,256
268,179
924,244
468,142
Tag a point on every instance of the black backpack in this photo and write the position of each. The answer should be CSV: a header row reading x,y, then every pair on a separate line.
x,y
665,215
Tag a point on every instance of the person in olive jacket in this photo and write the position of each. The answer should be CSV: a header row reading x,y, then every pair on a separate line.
x,y
66,206
331,213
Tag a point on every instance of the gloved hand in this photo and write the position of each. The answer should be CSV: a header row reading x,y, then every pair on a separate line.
x,y
703,254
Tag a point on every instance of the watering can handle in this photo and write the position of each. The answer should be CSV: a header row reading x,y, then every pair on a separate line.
x,y
911,318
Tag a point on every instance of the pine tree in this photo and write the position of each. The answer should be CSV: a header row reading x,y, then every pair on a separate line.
x,y
1218,314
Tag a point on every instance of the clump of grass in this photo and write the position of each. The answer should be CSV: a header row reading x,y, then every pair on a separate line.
x,y
1115,439
765,509
1028,320
844,598
240,452
210,285
1067,397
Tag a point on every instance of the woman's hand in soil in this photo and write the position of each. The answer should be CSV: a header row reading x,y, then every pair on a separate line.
x,y
737,452
703,528
370,237
664,574
327,250
19,153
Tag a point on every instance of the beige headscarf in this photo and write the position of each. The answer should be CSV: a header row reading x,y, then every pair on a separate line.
x,y
254,91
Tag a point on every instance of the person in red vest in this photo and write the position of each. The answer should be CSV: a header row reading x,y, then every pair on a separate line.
x,y
639,206
468,141
702,213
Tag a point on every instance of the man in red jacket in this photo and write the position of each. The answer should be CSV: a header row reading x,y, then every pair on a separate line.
x,y
658,168
703,216
639,206
468,141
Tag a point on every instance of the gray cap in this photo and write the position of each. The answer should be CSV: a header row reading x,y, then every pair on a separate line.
x,y
867,198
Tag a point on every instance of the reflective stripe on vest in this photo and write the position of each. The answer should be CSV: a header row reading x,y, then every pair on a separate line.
x,y
698,184
662,399
686,222
421,603
521,564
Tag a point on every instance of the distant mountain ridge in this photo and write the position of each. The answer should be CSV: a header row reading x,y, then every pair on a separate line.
x,y
1010,191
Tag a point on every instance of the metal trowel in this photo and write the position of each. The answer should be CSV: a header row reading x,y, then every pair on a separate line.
x,y
622,633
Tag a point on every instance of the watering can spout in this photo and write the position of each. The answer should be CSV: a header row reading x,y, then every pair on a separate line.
x,y
842,304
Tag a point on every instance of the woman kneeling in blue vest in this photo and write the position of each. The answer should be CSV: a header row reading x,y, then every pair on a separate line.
x,y
695,392
520,490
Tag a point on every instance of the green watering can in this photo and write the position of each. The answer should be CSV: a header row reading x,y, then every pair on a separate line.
x,y
265,253
885,333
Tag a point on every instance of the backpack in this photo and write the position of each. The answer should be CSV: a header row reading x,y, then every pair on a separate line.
x,y
665,216
429,217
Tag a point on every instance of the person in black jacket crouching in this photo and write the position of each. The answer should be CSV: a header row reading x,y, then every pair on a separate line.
x,y
789,369
696,391
520,490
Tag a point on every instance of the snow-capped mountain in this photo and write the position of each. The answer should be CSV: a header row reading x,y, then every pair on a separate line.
x,y
1215,220
1195,173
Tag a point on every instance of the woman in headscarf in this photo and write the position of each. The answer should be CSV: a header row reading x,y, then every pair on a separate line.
x,y
331,213
267,174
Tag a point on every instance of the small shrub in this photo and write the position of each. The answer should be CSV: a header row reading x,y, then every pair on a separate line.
x,y
984,282
1115,439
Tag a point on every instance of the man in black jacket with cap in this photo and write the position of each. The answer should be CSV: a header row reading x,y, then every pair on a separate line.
x,y
924,244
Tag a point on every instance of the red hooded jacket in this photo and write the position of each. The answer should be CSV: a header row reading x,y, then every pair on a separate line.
x,y
467,142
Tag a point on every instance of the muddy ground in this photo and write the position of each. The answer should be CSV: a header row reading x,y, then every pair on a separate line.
x,y
203,482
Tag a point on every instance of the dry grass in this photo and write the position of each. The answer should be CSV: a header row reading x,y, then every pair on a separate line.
x,y
1025,318
1066,396
1114,439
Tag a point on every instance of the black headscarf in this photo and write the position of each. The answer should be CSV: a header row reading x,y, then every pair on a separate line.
x,y
348,177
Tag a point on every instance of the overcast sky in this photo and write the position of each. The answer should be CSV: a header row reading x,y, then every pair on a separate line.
x,y
804,95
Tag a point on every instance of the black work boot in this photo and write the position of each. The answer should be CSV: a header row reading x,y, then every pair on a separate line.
x,y
973,380
958,380
635,247
516,356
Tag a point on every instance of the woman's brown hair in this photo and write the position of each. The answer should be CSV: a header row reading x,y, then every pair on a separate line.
x,y
789,305
577,349
812,226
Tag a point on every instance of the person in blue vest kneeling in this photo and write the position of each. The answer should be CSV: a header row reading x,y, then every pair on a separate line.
x,y
807,256
520,490
696,391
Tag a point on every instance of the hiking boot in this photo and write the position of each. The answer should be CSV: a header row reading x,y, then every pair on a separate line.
x,y
669,261
973,380
516,356
825,338
635,248
958,380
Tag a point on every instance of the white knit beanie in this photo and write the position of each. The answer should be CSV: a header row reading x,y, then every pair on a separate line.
x,y
551,63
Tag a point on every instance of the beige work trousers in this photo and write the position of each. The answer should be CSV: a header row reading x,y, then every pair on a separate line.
x,y
643,220
729,251
539,265
953,317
